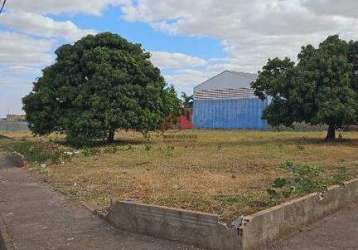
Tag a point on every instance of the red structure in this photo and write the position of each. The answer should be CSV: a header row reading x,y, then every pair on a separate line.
x,y
181,122
184,121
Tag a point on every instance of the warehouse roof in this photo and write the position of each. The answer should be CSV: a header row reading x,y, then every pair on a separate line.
x,y
228,80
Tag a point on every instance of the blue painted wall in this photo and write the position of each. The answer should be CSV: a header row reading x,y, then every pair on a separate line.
x,y
229,114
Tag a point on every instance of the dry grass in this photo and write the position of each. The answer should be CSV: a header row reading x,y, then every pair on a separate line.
x,y
224,172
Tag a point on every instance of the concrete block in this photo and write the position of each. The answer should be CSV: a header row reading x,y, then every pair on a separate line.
x,y
195,228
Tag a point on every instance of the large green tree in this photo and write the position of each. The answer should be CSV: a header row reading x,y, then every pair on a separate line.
x,y
97,85
320,88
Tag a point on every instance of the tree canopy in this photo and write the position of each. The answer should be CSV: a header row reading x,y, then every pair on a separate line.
x,y
97,85
320,88
188,100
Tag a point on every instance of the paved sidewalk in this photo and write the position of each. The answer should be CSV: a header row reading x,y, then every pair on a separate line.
x,y
336,232
35,218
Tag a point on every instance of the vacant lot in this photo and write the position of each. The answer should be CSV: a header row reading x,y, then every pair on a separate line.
x,y
224,172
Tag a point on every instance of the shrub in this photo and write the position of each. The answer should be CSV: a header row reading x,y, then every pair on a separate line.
x,y
341,176
301,179
39,152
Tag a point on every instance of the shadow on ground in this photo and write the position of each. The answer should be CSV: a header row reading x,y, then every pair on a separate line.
x,y
288,141
100,144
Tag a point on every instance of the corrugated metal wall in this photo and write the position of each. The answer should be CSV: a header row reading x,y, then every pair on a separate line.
x,y
229,114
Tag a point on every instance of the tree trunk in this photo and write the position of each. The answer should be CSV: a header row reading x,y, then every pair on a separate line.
x,y
331,133
110,138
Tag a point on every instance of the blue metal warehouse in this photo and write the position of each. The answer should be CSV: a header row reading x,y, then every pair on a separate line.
x,y
226,101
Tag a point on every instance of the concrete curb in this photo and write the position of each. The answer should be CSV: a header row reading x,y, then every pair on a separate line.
x,y
257,231
198,229
260,230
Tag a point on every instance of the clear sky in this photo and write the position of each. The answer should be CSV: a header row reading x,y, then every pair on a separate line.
x,y
190,41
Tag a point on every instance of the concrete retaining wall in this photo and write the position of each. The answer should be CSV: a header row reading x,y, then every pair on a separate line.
x,y
265,227
258,231
198,229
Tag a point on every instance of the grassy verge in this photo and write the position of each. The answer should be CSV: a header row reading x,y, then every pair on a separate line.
x,y
224,172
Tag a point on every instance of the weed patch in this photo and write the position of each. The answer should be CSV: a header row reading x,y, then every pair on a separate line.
x,y
303,179
39,152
